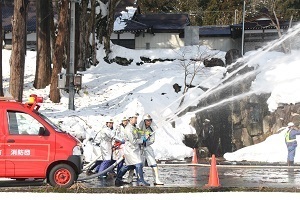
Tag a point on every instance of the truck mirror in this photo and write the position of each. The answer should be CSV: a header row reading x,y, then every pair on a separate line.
x,y
43,131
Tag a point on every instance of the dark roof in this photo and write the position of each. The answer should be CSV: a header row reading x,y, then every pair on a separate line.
x,y
155,23
122,6
164,21
260,24
134,26
214,31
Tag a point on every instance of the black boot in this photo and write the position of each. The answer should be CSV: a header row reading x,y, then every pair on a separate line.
x,y
119,177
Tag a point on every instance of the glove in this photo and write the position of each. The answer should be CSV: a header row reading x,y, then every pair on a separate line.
x,y
144,138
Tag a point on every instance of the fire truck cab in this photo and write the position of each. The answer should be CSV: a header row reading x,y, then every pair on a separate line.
x,y
31,146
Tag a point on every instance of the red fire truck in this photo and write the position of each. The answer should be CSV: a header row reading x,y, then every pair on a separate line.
x,y
31,146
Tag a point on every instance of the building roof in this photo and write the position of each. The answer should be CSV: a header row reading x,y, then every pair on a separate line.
x,y
123,4
214,31
133,26
260,24
164,21
156,23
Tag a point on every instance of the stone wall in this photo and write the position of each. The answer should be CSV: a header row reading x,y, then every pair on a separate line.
x,y
243,123
240,120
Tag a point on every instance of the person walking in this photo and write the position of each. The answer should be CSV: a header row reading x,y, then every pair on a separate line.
x,y
291,142
132,153
105,138
120,138
148,128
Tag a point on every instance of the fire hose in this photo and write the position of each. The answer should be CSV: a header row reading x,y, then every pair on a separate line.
x,y
102,172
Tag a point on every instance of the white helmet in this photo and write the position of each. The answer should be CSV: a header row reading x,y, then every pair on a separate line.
x,y
147,116
109,119
124,118
291,124
133,114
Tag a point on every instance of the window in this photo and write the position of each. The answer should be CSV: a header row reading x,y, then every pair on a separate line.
x,y
22,123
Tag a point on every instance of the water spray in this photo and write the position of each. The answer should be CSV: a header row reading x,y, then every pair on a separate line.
x,y
253,56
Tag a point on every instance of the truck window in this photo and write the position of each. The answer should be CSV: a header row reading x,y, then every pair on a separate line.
x,y
22,123
54,126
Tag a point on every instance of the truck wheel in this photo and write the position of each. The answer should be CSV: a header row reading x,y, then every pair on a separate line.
x,y
62,175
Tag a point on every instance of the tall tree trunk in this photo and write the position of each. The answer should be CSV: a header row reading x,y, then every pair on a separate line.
x,y
77,36
112,4
59,50
52,28
43,56
17,59
93,31
82,64
1,45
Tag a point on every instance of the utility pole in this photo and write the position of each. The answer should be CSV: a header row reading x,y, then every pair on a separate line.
x,y
243,31
72,56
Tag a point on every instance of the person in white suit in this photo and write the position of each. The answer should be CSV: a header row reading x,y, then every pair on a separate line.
x,y
105,139
147,130
132,153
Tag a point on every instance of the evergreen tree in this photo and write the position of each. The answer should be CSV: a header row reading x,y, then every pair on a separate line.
x,y
59,50
223,12
43,54
17,59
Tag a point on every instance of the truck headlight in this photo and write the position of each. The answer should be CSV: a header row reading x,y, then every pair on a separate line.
x,y
77,150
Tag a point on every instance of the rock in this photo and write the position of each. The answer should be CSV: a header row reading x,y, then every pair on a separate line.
x,y
177,87
213,62
232,55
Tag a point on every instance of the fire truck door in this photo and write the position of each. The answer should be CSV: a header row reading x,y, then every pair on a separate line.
x,y
26,149
2,160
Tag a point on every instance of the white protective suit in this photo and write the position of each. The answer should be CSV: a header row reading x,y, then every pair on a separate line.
x,y
120,135
148,152
105,139
132,151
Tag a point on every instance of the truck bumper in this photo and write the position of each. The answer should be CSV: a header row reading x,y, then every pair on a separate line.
x,y
78,162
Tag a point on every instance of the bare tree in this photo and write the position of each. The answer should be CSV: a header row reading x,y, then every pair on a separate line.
x,y
277,25
59,50
269,8
17,59
43,55
193,67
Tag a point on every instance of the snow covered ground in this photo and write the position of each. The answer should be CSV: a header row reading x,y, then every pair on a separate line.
x,y
114,90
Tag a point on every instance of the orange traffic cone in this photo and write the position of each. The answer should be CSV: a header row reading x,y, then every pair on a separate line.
x,y
213,174
194,159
